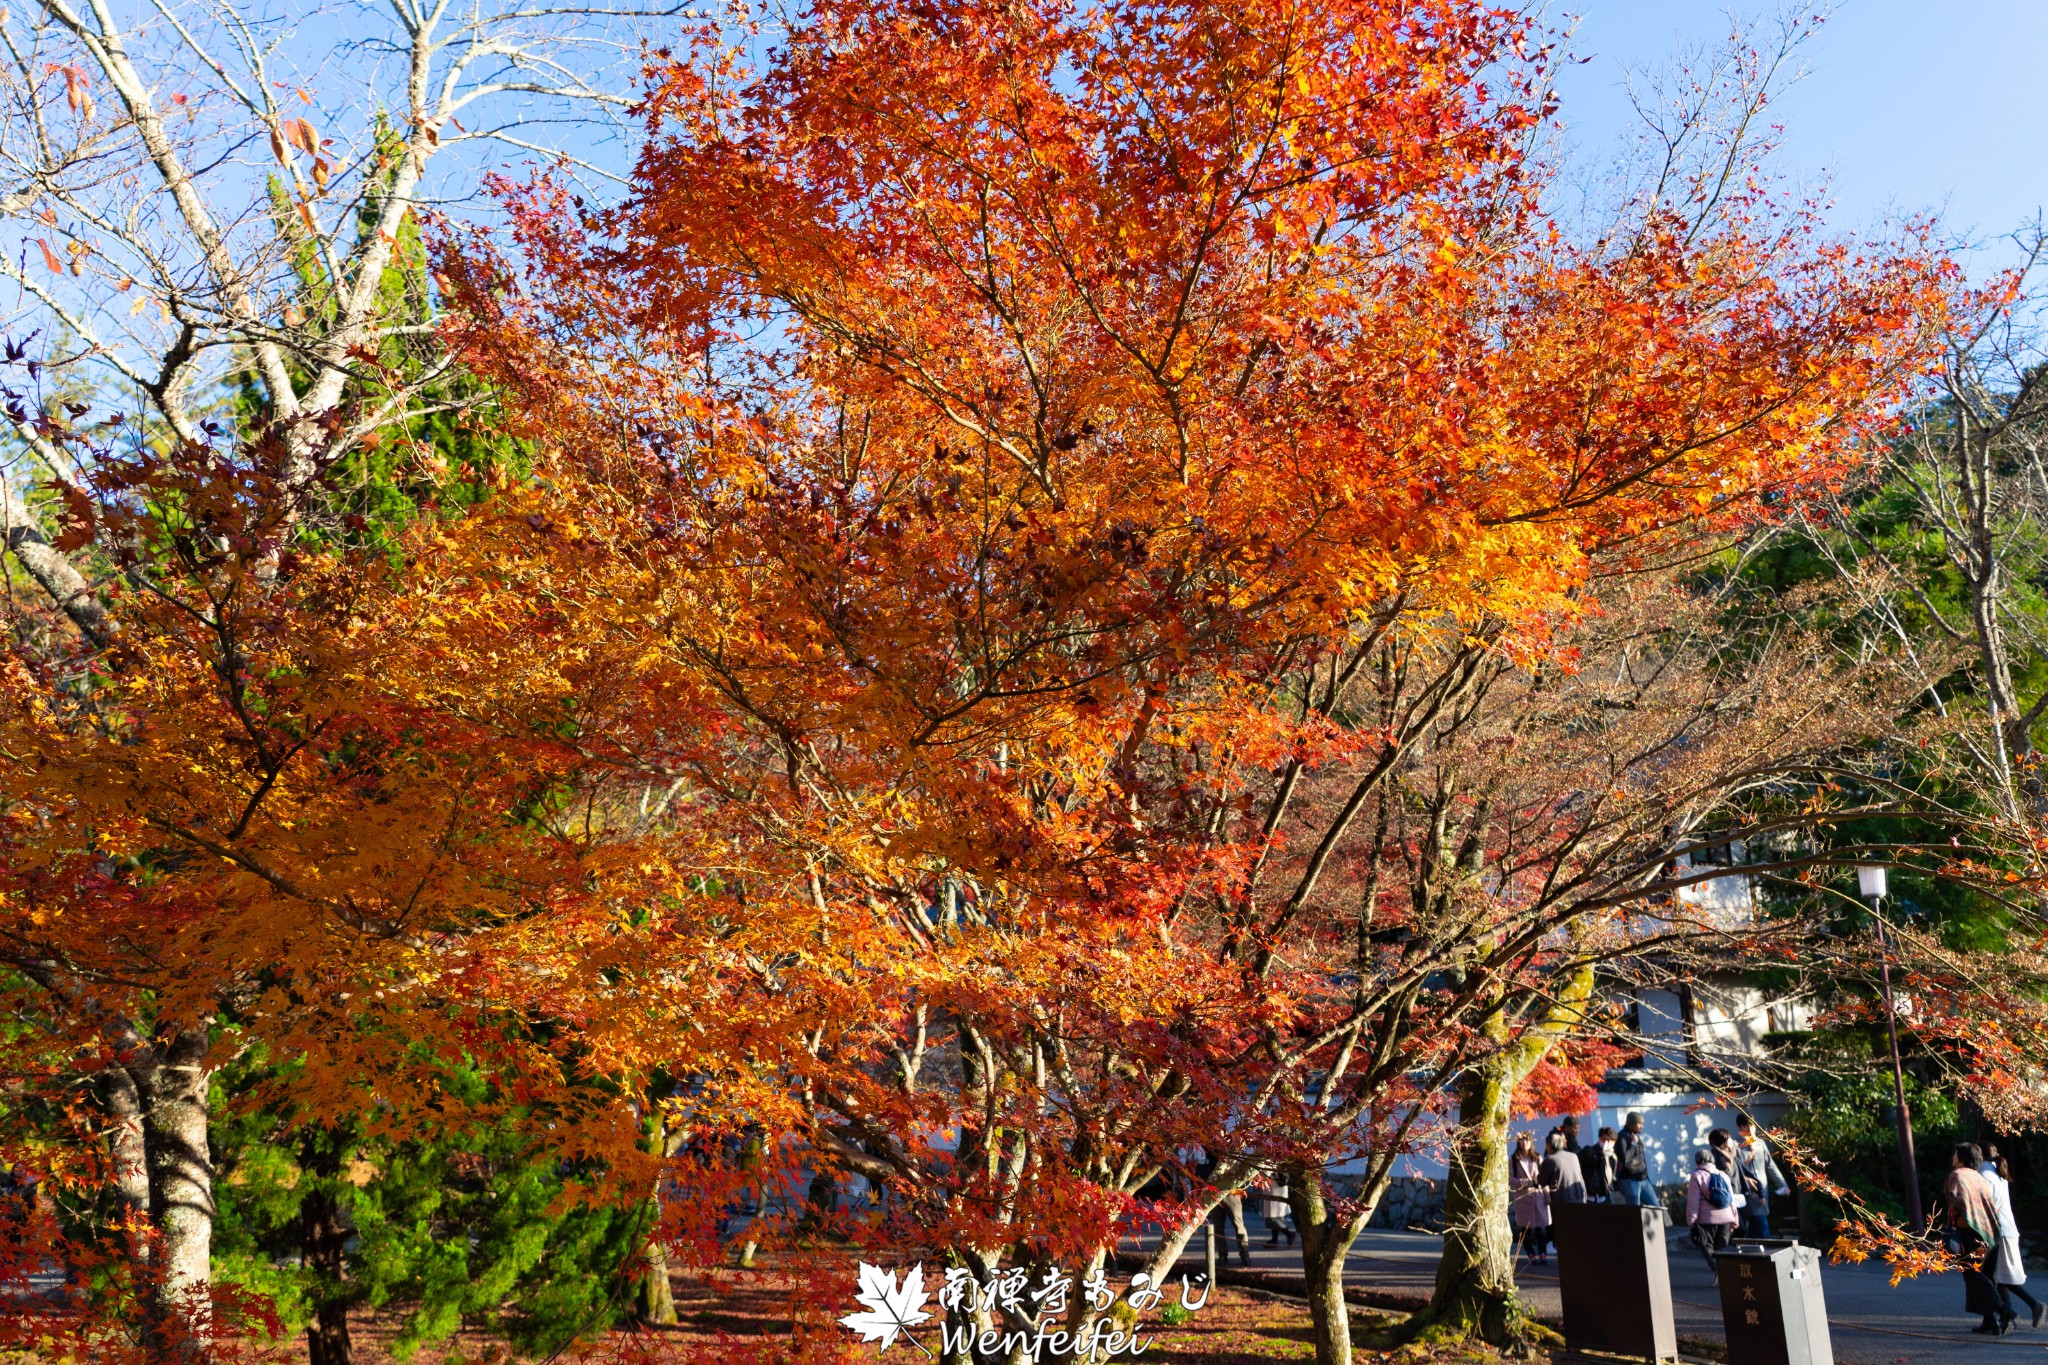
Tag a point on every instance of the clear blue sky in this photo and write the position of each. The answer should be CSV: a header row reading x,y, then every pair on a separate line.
x,y
1909,105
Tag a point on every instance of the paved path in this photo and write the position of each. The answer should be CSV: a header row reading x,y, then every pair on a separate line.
x,y
1920,1322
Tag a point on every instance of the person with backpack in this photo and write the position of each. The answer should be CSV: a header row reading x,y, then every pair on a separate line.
x,y
1709,1206
1632,1166
1721,1147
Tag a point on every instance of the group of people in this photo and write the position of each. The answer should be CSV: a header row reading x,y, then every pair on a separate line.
x,y
1727,1194
1982,1230
1730,1188
1733,1178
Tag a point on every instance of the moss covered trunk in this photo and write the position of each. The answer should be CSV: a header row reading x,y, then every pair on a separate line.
x,y
1328,1232
1475,1280
657,1296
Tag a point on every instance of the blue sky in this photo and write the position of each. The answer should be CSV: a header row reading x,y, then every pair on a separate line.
x,y
1908,105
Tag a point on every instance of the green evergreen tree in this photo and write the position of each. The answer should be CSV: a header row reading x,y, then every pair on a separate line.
x,y
469,1225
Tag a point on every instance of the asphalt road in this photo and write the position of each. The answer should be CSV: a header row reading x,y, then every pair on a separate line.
x,y
1871,1322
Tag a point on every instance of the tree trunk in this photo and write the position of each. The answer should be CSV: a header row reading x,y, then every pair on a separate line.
x,y
181,1195
130,1161
1475,1280
1326,1240
51,569
958,1323
324,1238
821,1203
1082,1315
964,1322
657,1296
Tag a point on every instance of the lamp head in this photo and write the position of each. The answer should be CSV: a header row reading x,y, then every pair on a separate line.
x,y
1870,881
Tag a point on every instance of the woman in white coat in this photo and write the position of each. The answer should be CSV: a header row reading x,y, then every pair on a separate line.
x,y
2008,1270
1279,1214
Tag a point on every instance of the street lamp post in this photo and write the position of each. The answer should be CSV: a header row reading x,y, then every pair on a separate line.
x,y
1870,883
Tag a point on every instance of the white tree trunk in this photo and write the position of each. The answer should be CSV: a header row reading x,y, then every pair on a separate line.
x,y
181,1195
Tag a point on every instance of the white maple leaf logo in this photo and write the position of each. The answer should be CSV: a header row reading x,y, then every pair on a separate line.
x,y
887,1309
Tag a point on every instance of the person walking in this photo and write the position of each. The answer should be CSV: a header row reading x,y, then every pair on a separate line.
x,y
1228,1216
1760,1177
1632,1165
1596,1163
1279,1214
1721,1147
1531,1201
2008,1267
1709,1205
1973,1235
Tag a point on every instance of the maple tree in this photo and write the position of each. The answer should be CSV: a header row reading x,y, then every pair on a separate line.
x,y
1922,557
1032,435
214,211
238,819
1031,508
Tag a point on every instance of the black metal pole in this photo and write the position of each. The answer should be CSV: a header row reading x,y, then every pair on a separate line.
x,y
1915,1216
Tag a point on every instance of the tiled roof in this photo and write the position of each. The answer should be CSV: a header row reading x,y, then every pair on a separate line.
x,y
1644,1080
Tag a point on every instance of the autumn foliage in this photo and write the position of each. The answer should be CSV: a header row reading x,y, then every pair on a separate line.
x,y
986,414
906,725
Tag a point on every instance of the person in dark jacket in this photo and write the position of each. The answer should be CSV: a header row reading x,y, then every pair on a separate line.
x,y
1632,1166
1721,1148
1569,1126
1596,1163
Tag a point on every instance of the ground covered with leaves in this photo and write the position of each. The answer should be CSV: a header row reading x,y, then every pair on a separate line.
x,y
1242,1326
747,1317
